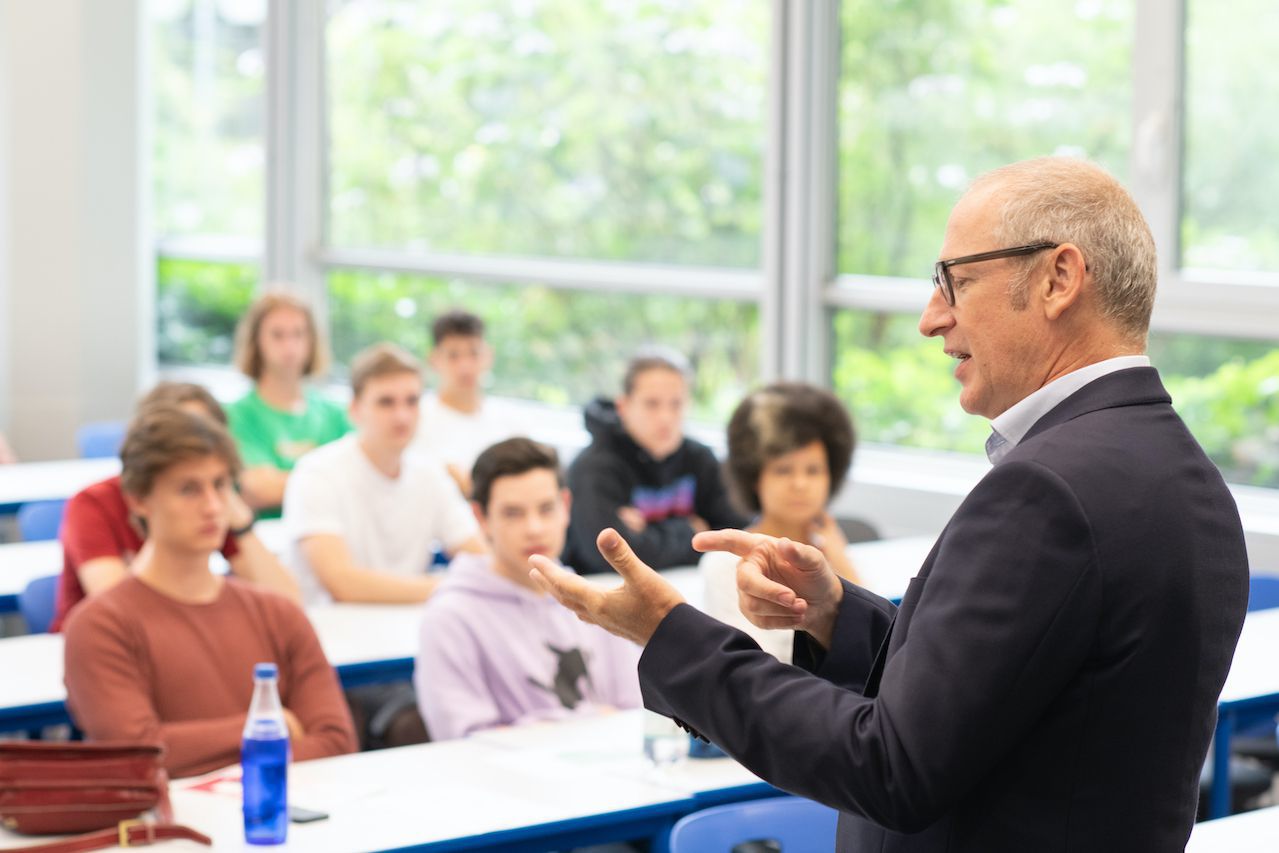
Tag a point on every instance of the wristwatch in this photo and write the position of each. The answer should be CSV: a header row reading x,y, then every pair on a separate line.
x,y
237,532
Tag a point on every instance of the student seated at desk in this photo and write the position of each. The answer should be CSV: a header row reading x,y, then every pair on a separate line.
x,y
496,650
458,421
642,476
101,539
167,653
362,515
363,518
789,448
278,346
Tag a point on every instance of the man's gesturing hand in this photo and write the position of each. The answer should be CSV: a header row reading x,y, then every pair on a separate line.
x,y
632,611
780,583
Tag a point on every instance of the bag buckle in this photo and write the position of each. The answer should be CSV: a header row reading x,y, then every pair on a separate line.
x,y
125,825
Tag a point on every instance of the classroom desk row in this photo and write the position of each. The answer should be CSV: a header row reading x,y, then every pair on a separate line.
x,y
539,787
547,786
367,643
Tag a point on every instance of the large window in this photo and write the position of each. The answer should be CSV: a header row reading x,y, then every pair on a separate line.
x,y
1231,178
763,184
207,83
623,131
934,92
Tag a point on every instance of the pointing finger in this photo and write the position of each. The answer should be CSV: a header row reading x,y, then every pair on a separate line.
x,y
737,542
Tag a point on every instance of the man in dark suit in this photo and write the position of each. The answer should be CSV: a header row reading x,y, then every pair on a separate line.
x,y
1050,679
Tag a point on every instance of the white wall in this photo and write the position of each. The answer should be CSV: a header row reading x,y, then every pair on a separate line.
x,y
75,276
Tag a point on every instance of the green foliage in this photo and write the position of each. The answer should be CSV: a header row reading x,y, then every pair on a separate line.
x,y
1231,176
899,386
934,92
197,306
623,130
1234,412
208,90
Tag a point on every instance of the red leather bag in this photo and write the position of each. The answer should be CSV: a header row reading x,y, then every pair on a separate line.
x,y
51,788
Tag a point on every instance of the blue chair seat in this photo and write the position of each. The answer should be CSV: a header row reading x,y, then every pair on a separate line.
x,y
38,521
36,603
794,824
100,439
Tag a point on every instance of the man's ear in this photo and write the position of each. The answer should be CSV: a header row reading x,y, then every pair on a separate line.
x,y
568,499
1067,278
481,517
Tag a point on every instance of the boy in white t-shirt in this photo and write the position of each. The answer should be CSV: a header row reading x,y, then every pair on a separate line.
x,y
458,422
363,516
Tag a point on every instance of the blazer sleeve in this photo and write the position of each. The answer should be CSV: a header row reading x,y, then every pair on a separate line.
x,y
1003,621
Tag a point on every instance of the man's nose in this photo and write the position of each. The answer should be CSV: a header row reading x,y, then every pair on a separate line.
x,y
937,316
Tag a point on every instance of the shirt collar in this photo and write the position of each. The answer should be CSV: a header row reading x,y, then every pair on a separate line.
x,y
1011,427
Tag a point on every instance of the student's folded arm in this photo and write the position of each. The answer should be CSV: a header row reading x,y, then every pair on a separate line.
x,y
331,561
313,693
452,694
664,544
111,701
92,544
255,563
263,486
599,491
100,574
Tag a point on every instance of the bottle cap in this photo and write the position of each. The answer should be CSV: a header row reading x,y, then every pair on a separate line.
x,y
265,670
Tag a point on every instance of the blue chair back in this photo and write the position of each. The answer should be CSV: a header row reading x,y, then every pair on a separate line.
x,y
796,824
40,520
36,603
100,439
1263,592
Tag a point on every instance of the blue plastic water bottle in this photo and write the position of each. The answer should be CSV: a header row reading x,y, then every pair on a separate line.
x,y
264,759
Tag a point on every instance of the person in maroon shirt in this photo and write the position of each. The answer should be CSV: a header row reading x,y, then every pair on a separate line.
x,y
100,540
167,653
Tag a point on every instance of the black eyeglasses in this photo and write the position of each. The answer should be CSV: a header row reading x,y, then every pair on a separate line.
x,y
941,269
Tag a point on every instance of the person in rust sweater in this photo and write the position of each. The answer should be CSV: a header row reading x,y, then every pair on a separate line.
x,y
167,654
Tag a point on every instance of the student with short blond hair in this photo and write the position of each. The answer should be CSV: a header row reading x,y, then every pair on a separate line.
x,y
167,653
361,514
101,538
279,347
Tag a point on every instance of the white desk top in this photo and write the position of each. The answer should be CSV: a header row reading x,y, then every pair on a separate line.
x,y
23,562
614,743
1253,832
1253,671
44,481
415,795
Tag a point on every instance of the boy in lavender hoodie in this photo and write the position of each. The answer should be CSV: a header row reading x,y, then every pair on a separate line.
x,y
495,650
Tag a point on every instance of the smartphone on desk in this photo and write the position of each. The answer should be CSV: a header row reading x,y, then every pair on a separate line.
x,y
297,814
